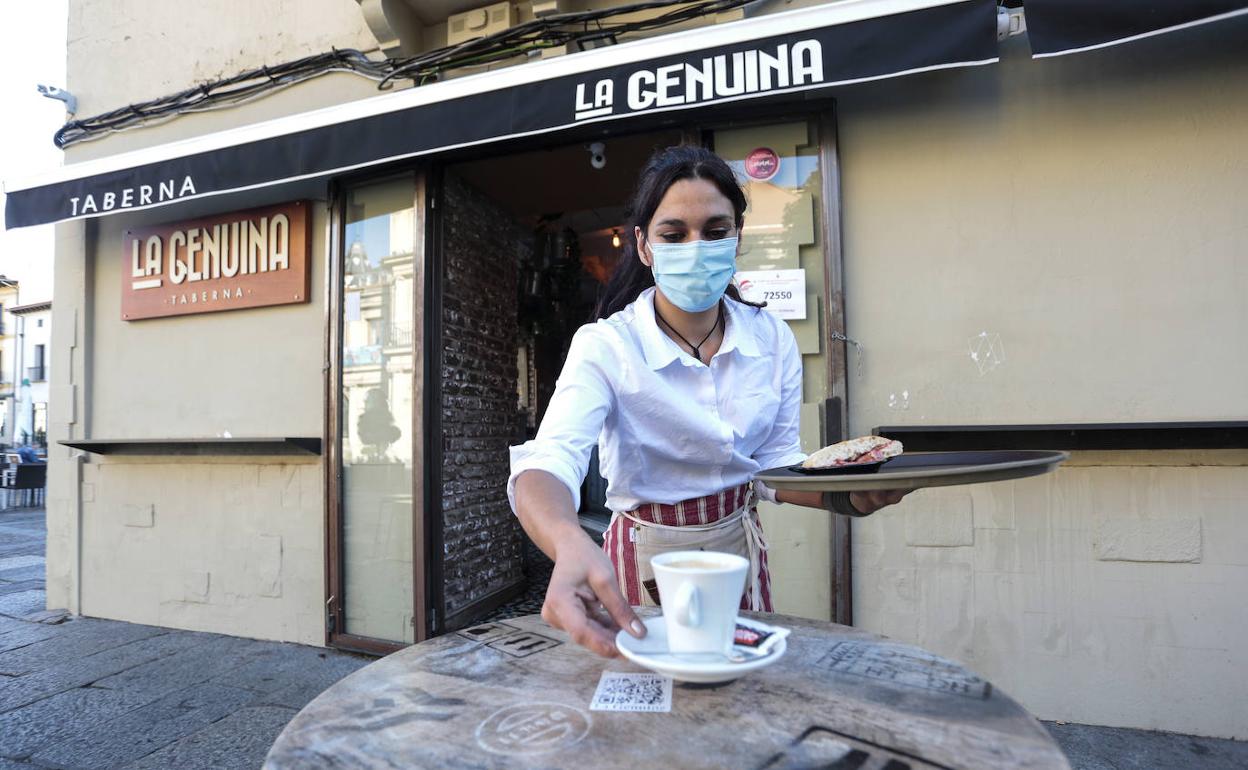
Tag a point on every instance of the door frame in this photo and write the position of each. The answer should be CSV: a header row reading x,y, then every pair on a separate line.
x,y
834,410
836,404
421,428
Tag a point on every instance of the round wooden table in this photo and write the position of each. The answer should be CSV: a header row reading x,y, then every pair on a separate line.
x,y
516,694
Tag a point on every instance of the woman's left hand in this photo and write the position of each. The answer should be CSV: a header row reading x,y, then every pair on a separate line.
x,y
864,503
870,502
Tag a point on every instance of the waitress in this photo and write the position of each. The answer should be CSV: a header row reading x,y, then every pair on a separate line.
x,y
688,391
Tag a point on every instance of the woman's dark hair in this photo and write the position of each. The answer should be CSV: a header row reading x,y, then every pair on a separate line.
x,y
665,168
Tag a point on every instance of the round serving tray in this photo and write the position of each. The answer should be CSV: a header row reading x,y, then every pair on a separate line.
x,y
916,470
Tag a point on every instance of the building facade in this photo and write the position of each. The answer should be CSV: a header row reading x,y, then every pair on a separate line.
x,y
32,366
8,359
994,250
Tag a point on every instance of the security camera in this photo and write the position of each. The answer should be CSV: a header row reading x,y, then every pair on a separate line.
x,y
52,92
598,155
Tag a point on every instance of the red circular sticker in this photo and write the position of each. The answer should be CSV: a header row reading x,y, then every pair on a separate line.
x,y
762,164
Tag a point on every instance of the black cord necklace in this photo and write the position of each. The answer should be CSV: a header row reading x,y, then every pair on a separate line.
x,y
697,349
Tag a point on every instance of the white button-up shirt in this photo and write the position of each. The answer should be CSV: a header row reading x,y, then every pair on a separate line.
x,y
667,426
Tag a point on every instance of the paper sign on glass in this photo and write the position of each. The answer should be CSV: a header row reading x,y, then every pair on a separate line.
x,y
784,291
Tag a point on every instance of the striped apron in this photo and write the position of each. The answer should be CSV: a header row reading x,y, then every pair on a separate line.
x,y
726,521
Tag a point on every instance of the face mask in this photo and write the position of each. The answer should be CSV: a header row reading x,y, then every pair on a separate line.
x,y
694,275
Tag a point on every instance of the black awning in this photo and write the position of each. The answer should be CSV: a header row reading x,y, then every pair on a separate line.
x,y
795,53
1057,27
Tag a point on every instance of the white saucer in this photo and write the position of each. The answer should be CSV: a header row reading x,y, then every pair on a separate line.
x,y
652,653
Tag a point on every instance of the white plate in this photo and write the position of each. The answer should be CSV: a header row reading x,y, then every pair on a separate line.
x,y
652,653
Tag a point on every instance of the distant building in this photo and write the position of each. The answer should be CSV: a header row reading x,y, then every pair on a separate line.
x,y
32,327
8,358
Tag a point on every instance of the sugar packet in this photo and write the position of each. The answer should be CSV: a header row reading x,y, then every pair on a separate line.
x,y
758,636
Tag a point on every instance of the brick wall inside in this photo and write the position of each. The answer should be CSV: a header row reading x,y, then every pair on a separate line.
x,y
481,539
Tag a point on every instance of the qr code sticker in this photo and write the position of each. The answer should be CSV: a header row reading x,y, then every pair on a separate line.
x,y
632,692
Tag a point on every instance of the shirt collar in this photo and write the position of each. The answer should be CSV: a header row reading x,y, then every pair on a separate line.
x,y
660,350
657,347
738,335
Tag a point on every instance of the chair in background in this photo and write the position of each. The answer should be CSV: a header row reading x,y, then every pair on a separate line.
x,y
26,481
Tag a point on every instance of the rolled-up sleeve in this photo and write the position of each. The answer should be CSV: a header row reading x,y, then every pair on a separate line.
x,y
783,445
570,428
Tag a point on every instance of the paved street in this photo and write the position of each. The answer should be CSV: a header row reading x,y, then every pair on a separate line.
x,y
88,693
1111,748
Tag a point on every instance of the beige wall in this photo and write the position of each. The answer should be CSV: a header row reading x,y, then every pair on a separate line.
x,y
159,47
1108,593
126,51
209,374
69,328
1087,213
233,545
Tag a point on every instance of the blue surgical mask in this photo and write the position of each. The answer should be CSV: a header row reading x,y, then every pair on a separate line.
x,y
694,275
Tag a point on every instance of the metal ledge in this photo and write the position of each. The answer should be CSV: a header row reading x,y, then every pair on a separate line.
x,y
1231,434
199,446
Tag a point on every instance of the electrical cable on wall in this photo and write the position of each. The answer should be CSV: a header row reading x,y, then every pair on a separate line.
x,y
583,28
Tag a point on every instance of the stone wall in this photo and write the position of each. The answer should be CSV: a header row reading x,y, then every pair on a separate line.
x,y
482,542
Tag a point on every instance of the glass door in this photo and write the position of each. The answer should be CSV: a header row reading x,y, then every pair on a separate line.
x,y
791,258
376,517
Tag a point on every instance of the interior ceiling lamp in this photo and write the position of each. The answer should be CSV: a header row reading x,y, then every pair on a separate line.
x,y
615,238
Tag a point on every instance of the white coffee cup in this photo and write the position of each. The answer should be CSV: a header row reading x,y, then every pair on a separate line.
x,y
701,593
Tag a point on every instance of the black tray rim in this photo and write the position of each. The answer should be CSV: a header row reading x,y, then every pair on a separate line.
x,y
994,465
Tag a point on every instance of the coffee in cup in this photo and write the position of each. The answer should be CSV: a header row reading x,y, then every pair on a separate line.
x,y
693,564
700,592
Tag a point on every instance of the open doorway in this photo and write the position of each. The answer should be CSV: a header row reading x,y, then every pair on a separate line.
x,y
568,204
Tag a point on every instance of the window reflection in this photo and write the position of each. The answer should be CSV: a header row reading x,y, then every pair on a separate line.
x,y
377,409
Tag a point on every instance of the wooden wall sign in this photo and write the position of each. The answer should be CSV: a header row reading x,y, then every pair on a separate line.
x,y
232,261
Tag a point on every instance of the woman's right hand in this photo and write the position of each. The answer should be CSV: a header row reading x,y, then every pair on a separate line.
x,y
585,601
